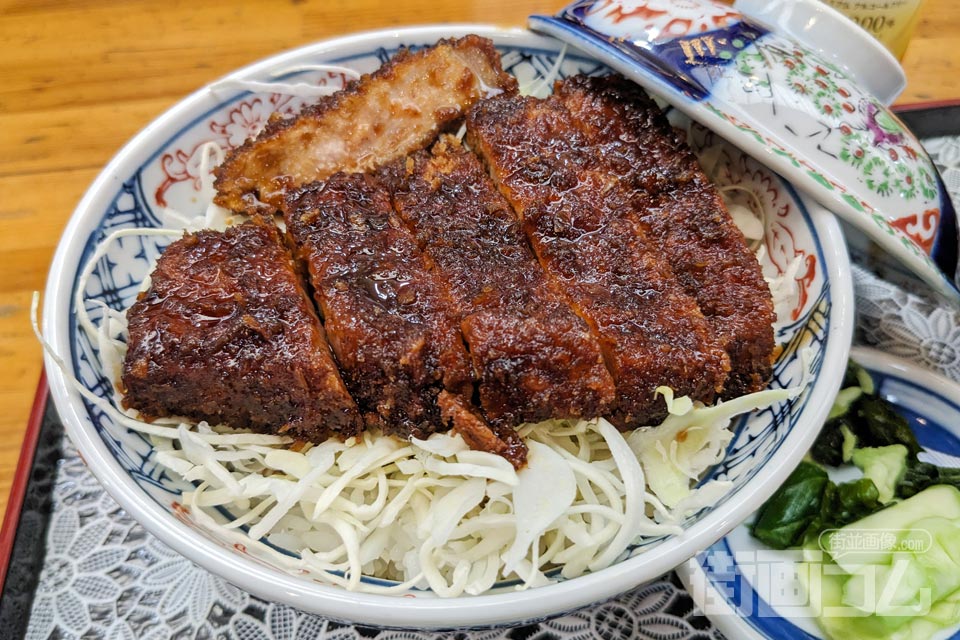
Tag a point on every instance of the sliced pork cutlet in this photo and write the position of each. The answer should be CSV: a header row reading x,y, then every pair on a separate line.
x,y
398,109
389,319
535,358
686,218
578,222
226,333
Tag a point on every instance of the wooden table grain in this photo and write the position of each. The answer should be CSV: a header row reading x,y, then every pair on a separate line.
x,y
78,78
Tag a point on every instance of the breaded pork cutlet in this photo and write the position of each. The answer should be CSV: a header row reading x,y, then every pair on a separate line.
x,y
397,109
577,219
535,358
227,334
390,320
685,216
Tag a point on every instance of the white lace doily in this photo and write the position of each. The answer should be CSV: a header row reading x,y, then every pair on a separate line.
x,y
104,577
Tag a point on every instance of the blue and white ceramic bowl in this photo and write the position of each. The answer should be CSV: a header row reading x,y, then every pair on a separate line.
x,y
750,591
159,168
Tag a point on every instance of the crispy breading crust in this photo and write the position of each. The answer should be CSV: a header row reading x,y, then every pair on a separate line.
x,y
398,109
534,357
685,216
389,320
227,334
578,220
502,440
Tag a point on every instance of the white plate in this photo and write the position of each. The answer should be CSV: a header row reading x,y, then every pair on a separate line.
x,y
157,167
731,580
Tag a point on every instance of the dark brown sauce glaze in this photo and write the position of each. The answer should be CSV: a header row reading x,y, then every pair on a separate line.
x,y
573,287
386,316
390,319
502,440
534,357
578,222
684,215
226,334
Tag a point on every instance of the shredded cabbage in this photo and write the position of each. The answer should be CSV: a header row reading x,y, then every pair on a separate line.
x,y
430,513
543,86
300,89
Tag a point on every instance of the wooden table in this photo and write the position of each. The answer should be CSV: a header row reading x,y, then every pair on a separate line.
x,y
79,78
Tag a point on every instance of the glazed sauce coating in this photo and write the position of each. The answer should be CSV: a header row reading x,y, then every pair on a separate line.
x,y
577,220
535,358
685,216
388,318
502,439
398,109
227,334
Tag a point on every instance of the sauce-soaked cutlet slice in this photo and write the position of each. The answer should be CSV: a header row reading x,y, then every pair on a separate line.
x,y
685,215
577,219
226,333
397,109
390,320
534,357
479,434
390,324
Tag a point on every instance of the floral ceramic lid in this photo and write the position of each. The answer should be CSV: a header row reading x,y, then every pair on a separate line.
x,y
789,105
